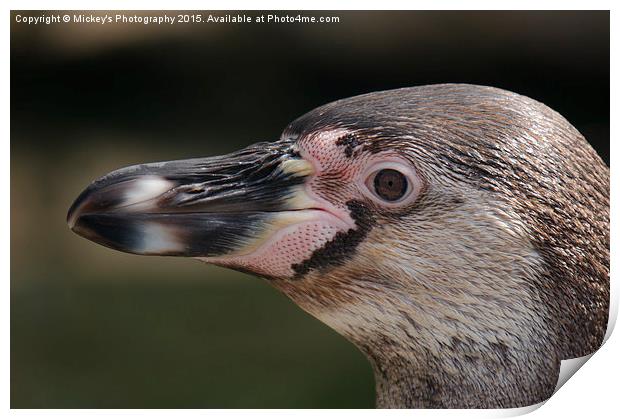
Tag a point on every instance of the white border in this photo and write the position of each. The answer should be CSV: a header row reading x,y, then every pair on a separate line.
x,y
312,5
595,389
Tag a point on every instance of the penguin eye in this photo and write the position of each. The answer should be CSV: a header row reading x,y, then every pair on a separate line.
x,y
390,185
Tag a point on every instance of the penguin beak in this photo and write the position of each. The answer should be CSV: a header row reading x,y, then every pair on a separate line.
x,y
207,207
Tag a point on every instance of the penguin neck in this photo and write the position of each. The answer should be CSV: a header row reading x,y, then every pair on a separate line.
x,y
459,372
451,351
405,381
402,383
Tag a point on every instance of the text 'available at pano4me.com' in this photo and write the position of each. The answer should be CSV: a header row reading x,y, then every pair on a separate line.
x,y
170,19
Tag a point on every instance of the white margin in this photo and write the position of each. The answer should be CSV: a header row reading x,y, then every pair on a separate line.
x,y
594,392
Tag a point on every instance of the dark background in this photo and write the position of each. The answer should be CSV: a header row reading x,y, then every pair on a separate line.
x,y
91,327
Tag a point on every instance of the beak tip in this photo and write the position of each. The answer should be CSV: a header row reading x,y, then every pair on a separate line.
x,y
72,216
102,196
77,208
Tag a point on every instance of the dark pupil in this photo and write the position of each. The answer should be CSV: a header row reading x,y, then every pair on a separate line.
x,y
390,184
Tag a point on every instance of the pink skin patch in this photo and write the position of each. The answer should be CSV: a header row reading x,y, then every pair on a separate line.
x,y
294,236
340,179
287,246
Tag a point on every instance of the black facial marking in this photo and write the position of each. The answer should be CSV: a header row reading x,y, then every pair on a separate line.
x,y
350,142
336,251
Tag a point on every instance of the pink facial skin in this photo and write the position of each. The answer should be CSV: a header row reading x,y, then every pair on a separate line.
x,y
287,246
340,179
296,234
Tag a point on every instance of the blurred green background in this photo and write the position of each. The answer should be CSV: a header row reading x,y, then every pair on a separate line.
x,y
93,328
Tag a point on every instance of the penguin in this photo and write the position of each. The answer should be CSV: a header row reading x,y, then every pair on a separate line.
x,y
458,235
